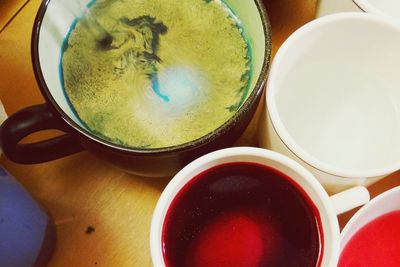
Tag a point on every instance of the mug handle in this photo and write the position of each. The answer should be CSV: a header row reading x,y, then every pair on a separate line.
x,y
27,121
350,199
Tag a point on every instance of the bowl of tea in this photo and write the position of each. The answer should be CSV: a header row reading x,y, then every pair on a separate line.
x,y
143,83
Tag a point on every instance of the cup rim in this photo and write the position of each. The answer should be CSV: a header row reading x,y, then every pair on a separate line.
x,y
364,209
190,171
366,6
251,100
271,90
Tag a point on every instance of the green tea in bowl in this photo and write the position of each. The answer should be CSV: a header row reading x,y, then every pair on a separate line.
x,y
148,86
171,72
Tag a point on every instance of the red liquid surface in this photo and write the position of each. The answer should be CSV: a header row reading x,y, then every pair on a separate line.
x,y
377,244
242,215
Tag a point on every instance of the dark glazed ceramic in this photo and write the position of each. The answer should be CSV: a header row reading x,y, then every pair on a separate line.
x,y
146,162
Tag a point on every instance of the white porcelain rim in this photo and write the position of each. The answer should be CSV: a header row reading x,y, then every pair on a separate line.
x,y
272,107
180,179
365,208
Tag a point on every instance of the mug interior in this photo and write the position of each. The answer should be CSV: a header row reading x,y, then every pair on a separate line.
x,y
333,94
386,202
300,176
58,17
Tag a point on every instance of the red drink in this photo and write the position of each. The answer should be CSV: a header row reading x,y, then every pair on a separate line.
x,y
377,244
242,215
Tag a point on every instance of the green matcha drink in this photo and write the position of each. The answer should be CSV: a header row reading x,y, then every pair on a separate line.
x,y
173,72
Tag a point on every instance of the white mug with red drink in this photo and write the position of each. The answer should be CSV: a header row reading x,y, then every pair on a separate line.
x,y
372,236
244,207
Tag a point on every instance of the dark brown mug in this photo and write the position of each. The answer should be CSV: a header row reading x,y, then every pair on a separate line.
x,y
51,23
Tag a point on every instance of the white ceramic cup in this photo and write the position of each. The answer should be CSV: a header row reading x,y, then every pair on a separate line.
x,y
384,203
326,7
388,8
333,99
328,207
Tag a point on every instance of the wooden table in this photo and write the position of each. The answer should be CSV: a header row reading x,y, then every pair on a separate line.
x,y
81,190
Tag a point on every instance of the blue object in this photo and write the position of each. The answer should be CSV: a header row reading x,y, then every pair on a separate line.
x,y
23,224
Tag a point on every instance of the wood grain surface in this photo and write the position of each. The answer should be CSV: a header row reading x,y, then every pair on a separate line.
x,y
8,10
81,191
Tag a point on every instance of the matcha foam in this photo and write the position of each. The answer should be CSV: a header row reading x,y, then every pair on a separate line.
x,y
174,72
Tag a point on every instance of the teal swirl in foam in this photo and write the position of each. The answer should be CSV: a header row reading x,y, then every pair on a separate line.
x,y
174,72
